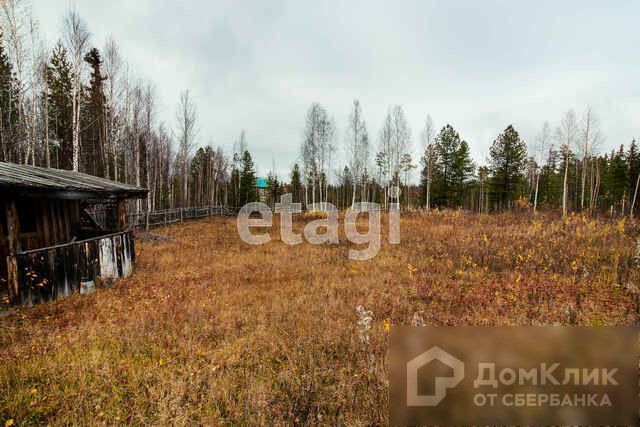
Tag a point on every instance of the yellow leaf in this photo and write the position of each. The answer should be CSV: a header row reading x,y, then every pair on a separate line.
x,y
411,270
9,422
387,325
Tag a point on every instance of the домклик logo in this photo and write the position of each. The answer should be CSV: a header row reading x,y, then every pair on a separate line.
x,y
441,383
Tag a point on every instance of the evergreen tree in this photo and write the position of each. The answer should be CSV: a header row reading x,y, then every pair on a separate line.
x,y
296,184
633,159
508,157
550,183
617,179
274,188
452,170
93,139
59,82
248,190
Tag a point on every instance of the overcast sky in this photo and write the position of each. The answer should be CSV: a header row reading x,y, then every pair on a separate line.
x,y
478,65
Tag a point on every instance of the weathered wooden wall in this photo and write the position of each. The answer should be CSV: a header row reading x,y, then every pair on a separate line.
x,y
50,273
55,221
4,295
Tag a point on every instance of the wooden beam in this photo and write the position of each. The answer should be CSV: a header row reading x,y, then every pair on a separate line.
x,y
38,214
76,214
54,223
62,237
13,246
46,223
65,208
122,215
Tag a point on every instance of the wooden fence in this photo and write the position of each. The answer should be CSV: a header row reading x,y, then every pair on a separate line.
x,y
170,216
45,274
49,273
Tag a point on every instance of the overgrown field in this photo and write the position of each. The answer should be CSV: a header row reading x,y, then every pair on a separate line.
x,y
212,330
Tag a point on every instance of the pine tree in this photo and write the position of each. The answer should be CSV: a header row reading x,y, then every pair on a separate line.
x,y
617,179
248,190
452,170
633,159
508,157
550,181
296,184
274,188
59,82
93,140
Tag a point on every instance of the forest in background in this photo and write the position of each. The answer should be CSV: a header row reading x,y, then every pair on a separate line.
x,y
74,105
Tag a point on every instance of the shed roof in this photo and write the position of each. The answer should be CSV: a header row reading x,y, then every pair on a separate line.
x,y
33,181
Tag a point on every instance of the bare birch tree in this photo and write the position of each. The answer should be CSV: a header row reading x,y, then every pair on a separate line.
x,y
149,110
136,125
400,140
429,157
357,147
186,134
383,158
77,40
15,24
590,137
540,153
316,150
566,136
43,63
35,90
113,91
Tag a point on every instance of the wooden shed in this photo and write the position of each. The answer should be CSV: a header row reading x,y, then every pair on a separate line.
x,y
61,232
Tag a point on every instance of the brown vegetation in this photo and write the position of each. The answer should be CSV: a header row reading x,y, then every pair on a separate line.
x,y
211,330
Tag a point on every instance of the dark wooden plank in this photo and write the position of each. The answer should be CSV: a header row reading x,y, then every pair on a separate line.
x,y
39,238
46,223
75,270
54,223
59,217
13,246
122,215
66,213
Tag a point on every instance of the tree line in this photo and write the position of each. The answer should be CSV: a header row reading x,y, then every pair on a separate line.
x,y
561,169
74,105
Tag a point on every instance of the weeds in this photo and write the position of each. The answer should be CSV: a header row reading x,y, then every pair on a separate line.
x,y
210,330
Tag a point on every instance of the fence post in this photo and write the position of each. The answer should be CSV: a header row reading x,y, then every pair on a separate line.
x,y
165,217
181,214
147,222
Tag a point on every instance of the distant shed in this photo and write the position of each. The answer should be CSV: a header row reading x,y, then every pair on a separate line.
x,y
52,243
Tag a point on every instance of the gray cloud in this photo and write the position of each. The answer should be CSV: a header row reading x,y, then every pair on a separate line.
x,y
477,65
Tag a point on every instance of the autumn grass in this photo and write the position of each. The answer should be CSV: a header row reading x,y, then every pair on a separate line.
x,y
210,330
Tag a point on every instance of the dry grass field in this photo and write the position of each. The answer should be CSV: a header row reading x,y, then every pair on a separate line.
x,y
210,330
